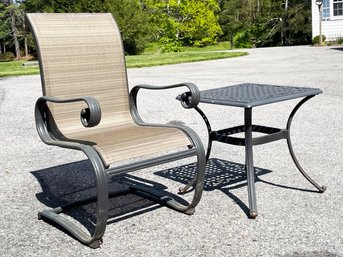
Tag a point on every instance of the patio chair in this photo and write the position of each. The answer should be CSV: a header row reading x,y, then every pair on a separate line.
x,y
86,106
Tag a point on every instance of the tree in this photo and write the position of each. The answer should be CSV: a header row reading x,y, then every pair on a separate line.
x,y
232,19
132,21
297,27
269,23
5,27
199,26
190,22
10,16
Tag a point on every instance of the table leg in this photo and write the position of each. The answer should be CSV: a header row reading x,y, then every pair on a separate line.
x,y
289,143
184,189
209,131
249,163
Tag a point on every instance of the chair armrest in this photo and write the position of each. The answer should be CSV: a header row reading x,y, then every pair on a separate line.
x,y
89,116
188,99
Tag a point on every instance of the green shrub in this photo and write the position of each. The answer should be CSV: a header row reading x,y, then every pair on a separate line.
x,y
242,40
205,41
7,56
152,47
339,40
316,39
169,45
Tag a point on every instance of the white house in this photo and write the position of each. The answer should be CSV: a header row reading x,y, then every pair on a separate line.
x,y
332,22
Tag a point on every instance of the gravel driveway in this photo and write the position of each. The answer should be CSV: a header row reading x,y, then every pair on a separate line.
x,y
293,220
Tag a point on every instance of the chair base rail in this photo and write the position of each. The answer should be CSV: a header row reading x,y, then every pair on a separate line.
x,y
143,190
52,215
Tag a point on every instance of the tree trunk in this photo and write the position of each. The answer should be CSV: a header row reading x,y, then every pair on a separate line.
x,y
26,47
15,35
283,37
231,41
25,40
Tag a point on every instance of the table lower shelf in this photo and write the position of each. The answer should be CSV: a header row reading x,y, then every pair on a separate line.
x,y
272,134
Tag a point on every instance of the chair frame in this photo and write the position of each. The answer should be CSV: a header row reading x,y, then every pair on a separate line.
x,y
90,117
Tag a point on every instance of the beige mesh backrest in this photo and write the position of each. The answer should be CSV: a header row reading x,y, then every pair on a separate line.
x,y
82,55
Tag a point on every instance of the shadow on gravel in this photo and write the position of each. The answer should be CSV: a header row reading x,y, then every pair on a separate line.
x,y
220,174
337,48
65,184
224,176
312,254
72,182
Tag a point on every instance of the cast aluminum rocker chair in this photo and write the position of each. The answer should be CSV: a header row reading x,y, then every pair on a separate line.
x,y
86,106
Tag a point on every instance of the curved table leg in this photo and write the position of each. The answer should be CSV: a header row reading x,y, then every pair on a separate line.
x,y
289,143
209,130
184,189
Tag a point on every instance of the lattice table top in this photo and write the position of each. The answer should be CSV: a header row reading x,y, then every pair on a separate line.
x,y
250,95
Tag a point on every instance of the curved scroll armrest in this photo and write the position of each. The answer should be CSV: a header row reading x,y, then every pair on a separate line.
x,y
89,116
188,100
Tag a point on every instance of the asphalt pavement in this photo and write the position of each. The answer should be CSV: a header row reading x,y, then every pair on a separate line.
x,y
294,220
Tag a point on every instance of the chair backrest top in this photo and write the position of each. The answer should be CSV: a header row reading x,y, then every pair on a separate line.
x,y
82,55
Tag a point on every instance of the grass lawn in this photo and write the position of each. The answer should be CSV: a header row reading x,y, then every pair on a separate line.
x,y
145,60
15,68
154,48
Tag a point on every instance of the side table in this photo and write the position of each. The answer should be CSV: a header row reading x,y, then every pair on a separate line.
x,y
248,96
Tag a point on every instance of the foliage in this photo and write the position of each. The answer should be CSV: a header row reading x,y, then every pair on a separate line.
x,y
174,24
339,40
297,26
315,40
279,22
191,22
233,18
4,25
7,56
65,6
243,39
132,21
168,45
13,31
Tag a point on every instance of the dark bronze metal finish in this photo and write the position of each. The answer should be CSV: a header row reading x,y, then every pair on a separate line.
x,y
247,96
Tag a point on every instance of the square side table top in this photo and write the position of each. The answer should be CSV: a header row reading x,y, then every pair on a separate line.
x,y
249,95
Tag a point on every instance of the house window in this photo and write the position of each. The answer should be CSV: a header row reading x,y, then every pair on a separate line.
x,y
326,9
337,7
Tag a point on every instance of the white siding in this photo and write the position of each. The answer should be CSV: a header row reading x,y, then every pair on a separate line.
x,y
332,28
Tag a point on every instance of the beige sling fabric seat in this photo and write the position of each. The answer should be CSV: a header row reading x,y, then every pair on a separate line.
x,y
121,143
86,106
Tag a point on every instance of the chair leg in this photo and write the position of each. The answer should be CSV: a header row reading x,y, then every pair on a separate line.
x,y
321,189
95,240
184,189
197,183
